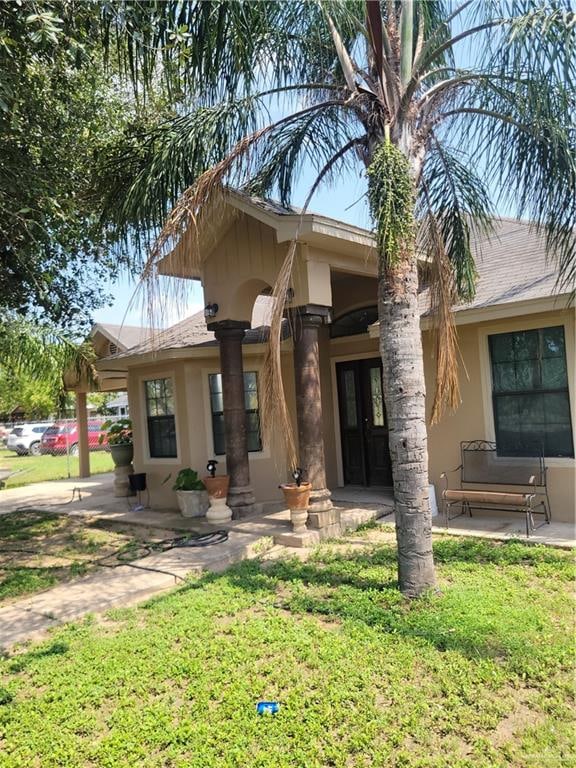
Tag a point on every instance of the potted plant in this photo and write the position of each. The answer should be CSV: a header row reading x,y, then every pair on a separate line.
x,y
297,497
118,436
191,493
217,487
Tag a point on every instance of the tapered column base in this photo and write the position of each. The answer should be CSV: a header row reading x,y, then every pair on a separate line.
x,y
320,500
241,501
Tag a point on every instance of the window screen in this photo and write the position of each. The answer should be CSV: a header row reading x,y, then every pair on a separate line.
x,y
161,422
530,393
252,412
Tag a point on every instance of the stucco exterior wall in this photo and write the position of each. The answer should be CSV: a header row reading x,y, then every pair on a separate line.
x,y
474,418
194,429
247,260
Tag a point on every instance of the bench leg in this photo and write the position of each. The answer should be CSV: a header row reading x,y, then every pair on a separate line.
x,y
547,510
529,523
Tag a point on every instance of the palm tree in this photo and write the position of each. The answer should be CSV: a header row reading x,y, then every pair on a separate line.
x,y
47,355
445,137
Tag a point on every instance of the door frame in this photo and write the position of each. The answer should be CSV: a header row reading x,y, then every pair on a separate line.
x,y
335,406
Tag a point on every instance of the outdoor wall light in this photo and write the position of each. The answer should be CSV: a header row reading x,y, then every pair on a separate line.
x,y
210,310
211,467
297,474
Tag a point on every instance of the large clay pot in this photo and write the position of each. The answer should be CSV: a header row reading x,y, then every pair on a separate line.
x,y
122,455
192,503
297,498
217,488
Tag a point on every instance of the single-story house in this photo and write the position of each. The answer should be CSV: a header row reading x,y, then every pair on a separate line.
x,y
516,341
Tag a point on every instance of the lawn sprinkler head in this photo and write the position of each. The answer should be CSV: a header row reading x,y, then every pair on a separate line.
x,y
211,467
298,474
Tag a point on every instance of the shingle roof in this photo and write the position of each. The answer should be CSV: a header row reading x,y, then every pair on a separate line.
x,y
512,266
192,332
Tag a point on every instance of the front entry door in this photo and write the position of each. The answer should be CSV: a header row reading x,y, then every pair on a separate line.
x,y
365,451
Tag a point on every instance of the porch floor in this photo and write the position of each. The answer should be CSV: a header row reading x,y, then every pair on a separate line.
x,y
511,526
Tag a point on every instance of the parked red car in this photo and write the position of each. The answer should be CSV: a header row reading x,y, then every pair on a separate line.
x,y
62,438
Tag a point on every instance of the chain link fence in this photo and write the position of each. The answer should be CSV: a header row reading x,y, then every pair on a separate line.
x,y
38,450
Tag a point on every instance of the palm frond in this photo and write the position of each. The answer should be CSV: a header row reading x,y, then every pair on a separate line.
x,y
45,353
452,203
520,122
312,140
222,50
460,202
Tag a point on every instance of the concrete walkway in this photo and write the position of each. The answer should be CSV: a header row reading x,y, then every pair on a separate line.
x,y
30,617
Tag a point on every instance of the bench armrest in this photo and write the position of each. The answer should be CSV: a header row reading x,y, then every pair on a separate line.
x,y
444,475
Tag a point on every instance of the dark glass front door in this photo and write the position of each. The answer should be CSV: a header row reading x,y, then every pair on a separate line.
x,y
365,451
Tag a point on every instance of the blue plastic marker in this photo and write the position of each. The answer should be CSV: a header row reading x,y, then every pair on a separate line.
x,y
267,707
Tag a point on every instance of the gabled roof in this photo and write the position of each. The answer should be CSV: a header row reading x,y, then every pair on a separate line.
x,y
512,264
288,223
123,336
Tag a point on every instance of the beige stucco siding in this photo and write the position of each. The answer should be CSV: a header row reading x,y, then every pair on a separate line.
x,y
474,419
247,260
194,429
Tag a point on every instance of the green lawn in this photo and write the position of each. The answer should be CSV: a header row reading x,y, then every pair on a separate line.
x,y
40,468
477,676
40,549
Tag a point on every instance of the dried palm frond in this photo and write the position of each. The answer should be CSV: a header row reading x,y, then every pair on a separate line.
x,y
442,299
275,414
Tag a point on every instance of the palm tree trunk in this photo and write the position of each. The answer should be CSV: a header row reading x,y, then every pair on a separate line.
x,y
404,396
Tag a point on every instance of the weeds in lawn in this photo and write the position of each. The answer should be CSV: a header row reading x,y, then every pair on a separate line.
x,y
476,676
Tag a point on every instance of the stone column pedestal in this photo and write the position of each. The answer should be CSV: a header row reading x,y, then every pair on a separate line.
x,y
240,495
121,482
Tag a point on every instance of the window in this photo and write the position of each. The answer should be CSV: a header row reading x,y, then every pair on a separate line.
x,y
354,322
161,422
530,393
250,404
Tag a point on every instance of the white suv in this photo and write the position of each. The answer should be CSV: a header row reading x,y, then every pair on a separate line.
x,y
25,438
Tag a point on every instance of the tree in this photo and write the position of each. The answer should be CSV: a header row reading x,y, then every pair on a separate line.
x,y
37,398
36,360
380,84
62,103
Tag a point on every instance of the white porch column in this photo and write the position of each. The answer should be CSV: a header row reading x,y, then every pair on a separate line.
x,y
82,420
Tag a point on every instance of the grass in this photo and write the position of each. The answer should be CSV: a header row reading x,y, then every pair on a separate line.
x,y
476,676
40,468
40,549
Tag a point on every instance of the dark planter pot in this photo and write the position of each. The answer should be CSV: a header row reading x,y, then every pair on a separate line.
x,y
137,481
122,455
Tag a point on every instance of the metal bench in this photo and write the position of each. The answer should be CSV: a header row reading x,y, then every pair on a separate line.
x,y
481,466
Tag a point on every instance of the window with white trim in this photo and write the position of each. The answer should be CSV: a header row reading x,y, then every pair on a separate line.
x,y
530,393
251,405
160,416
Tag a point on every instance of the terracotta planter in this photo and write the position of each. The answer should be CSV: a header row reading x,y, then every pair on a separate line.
x,y
297,496
122,455
297,499
217,488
